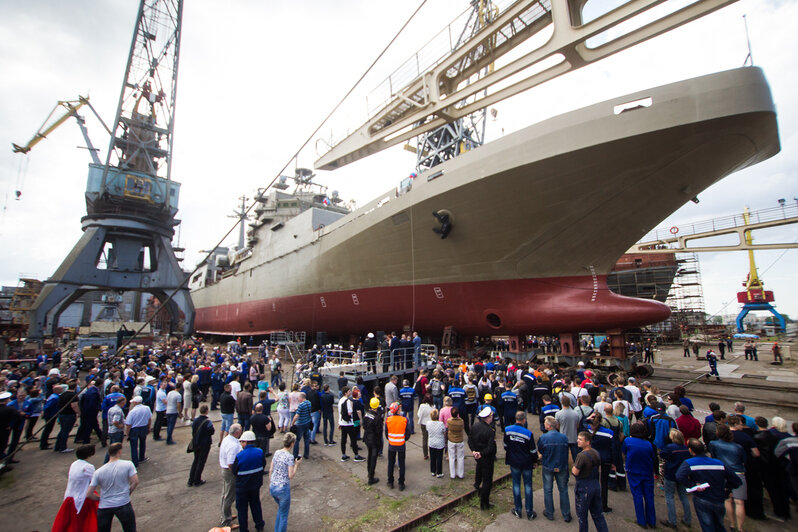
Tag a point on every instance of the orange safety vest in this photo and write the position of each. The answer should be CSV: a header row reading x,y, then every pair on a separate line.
x,y
396,430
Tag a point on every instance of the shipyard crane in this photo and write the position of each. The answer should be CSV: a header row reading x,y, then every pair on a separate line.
x,y
54,121
755,297
131,199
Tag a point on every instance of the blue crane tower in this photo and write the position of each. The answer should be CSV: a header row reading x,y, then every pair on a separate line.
x,y
131,200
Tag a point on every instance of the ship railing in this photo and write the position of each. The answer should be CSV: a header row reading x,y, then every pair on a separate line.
x,y
379,362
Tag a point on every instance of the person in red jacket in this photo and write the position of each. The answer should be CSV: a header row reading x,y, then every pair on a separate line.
x,y
688,425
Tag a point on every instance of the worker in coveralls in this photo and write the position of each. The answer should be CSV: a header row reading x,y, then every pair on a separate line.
x,y
372,436
712,358
398,432
248,468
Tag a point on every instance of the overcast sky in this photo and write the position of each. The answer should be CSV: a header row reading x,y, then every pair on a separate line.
x,y
256,78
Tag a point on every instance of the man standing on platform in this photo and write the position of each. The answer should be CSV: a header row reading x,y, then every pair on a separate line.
x,y
370,348
482,442
416,349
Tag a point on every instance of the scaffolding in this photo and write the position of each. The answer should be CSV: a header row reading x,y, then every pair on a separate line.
x,y
686,297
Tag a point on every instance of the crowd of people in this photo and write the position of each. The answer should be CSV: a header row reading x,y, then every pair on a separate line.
x,y
608,435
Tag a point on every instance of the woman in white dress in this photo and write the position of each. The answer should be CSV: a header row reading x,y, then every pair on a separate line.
x,y
187,399
78,514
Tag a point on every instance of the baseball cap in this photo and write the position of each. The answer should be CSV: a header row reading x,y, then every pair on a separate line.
x,y
248,436
374,403
485,412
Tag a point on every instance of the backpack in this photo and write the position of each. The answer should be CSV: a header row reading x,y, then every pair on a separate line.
x,y
345,415
435,388
471,394
146,396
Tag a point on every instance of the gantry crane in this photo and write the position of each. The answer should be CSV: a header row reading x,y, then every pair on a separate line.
x,y
755,297
131,200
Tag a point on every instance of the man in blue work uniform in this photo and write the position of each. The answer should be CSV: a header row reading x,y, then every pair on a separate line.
x,y
509,402
712,482
458,396
553,449
604,442
248,468
406,395
50,416
217,386
540,390
712,358
587,493
521,456
548,409
640,460
528,378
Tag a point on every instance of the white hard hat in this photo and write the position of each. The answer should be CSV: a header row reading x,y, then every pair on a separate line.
x,y
371,335
137,399
248,436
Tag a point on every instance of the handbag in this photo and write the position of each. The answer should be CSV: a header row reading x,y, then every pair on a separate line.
x,y
293,429
190,448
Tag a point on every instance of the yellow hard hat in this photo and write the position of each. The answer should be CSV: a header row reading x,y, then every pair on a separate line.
x,y
488,397
374,403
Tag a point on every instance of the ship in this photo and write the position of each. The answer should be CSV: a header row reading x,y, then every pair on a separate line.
x,y
514,237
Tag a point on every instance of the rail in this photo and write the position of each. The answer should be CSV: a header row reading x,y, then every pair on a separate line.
x,y
770,214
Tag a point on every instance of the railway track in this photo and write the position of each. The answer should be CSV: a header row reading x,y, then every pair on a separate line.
x,y
750,389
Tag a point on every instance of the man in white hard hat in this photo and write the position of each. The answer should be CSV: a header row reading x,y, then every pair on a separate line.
x,y
248,468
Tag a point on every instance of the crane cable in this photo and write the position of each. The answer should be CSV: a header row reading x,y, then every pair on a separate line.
x,y
275,178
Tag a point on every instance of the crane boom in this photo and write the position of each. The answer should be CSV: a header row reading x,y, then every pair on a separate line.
x,y
71,109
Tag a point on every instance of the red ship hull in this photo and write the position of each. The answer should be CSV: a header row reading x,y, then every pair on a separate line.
x,y
551,305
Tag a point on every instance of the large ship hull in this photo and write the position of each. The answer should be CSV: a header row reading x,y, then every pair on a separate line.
x,y
539,219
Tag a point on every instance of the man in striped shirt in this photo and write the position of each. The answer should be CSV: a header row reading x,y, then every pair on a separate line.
x,y
303,422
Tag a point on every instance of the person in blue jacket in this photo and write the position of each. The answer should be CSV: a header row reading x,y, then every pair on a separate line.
x,y
521,455
604,442
712,482
458,396
50,416
248,468
548,409
639,456
509,402
554,451
674,454
406,395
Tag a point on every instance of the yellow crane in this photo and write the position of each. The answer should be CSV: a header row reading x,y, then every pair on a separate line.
x,y
54,120
71,109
